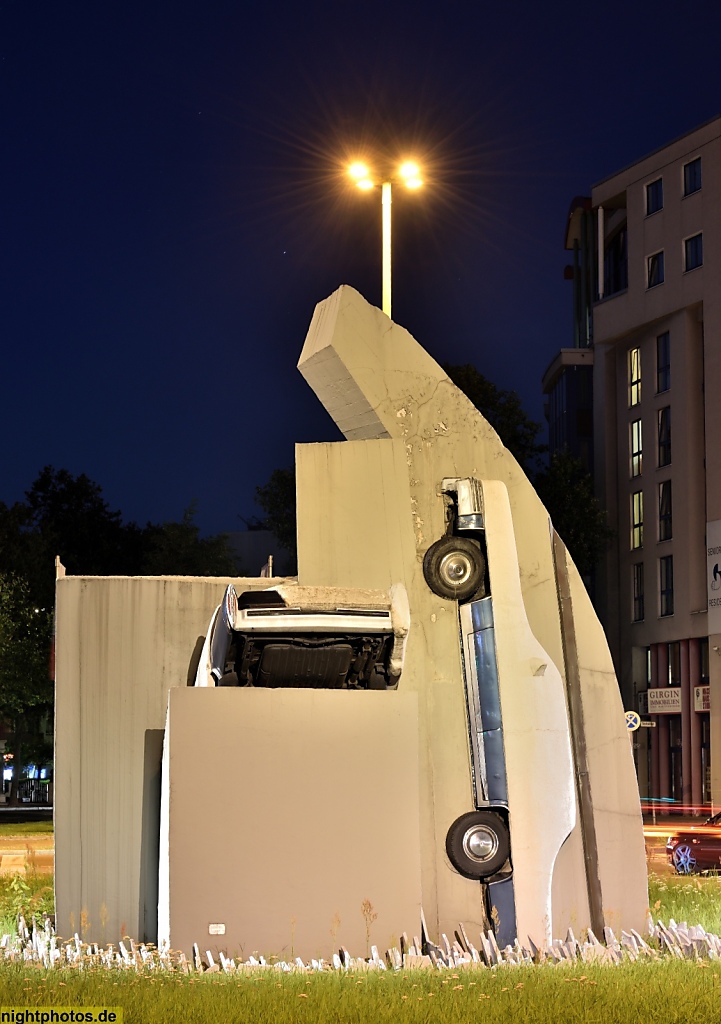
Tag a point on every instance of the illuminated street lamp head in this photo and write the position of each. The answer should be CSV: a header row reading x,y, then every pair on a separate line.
x,y
411,174
361,175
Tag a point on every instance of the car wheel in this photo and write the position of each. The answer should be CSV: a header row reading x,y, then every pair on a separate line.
x,y
478,844
454,567
684,860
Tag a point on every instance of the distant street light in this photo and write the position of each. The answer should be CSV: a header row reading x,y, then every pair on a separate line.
x,y
409,175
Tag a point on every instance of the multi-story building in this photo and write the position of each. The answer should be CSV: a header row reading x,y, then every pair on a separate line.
x,y
655,261
568,381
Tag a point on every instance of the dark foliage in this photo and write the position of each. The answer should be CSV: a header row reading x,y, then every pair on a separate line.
x,y
566,489
277,499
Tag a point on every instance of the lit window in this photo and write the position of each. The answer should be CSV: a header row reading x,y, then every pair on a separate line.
x,y
634,376
666,584
638,592
654,196
637,519
664,436
692,176
663,362
665,511
655,269
636,448
693,252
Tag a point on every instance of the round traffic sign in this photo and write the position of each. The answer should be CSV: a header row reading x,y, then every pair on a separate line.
x,y
633,720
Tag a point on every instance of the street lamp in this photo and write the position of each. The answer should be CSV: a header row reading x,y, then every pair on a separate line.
x,y
409,175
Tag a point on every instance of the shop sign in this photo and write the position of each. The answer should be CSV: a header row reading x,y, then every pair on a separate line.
x,y
702,698
664,701
713,575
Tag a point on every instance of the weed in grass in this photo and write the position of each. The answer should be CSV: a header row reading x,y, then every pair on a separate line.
x,y
29,895
369,916
334,926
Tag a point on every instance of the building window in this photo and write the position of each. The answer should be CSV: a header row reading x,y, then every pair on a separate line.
x,y
663,362
665,512
634,376
692,176
666,583
664,436
638,592
615,262
674,663
654,196
636,448
693,252
655,270
637,519
703,658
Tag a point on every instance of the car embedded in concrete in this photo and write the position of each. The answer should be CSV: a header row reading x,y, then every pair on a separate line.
x,y
316,637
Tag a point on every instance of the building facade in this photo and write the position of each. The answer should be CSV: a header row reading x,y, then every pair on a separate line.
x,y
568,381
655,262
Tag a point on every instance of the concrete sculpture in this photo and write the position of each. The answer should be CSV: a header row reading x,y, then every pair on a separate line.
x,y
462,755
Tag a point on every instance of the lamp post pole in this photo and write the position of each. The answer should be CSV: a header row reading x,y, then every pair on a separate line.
x,y
386,200
409,174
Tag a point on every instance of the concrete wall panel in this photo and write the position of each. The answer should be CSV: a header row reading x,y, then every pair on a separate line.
x,y
320,792
122,643
365,536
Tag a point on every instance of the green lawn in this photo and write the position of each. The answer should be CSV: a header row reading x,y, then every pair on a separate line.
x,y
26,829
672,992
667,991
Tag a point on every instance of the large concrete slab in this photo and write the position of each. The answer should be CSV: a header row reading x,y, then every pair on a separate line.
x,y
306,809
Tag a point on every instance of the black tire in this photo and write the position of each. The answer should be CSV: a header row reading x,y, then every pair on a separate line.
x,y
478,844
454,568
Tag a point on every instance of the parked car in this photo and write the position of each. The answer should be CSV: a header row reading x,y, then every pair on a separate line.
x,y
696,847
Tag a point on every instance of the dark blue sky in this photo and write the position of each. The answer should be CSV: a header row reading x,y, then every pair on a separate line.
x,y
173,208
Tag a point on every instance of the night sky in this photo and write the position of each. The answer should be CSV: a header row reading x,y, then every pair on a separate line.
x,y
173,207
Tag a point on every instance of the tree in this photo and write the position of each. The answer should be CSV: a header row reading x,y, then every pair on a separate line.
x,y
277,499
26,689
566,489
68,516
177,549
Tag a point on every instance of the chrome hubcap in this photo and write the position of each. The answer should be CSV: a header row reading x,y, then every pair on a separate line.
x,y
480,843
455,568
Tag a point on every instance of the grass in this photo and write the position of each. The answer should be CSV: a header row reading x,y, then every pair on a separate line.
x,y
25,828
667,992
671,992
690,898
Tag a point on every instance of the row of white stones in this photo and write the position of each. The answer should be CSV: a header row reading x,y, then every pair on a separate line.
x,y
40,944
